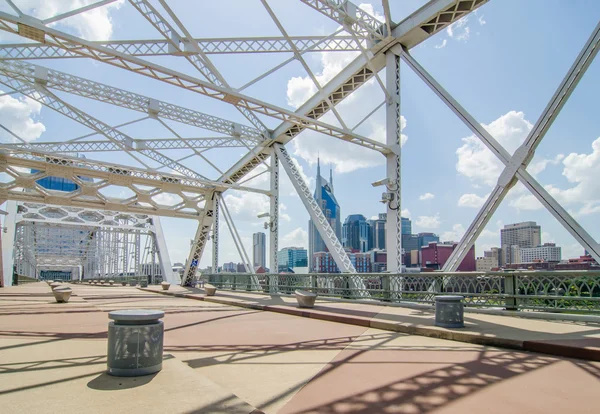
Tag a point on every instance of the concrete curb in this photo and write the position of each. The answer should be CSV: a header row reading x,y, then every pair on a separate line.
x,y
542,347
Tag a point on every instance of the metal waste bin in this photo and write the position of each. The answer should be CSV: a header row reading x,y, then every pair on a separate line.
x,y
135,342
449,312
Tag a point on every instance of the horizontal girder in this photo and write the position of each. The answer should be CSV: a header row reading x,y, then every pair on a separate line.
x,y
156,143
16,51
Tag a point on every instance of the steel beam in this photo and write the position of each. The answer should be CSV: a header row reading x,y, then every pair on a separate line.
x,y
274,213
410,32
314,210
237,240
154,143
524,154
76,85
202,233
217,46
83,47
215,237
393,128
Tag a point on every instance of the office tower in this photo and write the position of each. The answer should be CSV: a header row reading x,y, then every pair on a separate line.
x,y
518,235
292,257
259,249
355,233
330,208
548,252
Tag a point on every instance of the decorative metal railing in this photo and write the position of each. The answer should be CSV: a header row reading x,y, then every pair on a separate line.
x,y
556,291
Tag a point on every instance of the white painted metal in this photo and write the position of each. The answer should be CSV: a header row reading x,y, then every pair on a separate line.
x,y
524,154
568,222
393,128
104,93
215,237
314,210
79,10
202,234
274,213
215,46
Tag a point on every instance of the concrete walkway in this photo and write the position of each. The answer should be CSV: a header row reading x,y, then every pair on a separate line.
x,y
555,337
225,358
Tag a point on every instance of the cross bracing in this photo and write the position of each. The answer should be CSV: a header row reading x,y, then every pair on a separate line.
x,y
378,43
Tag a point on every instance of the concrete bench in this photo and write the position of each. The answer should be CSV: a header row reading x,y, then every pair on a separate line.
x,y
305,299
135,342
449,311
111,282
62,294
123,283
165,285
210,290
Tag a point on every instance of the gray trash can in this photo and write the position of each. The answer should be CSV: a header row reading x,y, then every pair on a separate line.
x,y
135,342
449,311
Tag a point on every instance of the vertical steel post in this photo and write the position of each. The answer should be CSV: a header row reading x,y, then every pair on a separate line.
x,y
393,237
274,218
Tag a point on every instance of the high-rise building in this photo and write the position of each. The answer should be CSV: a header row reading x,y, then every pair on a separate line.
x,y
406,225
324,262
426,238
229,267
292,257
355,233
330,208
259,249
548,252
523,235
377,232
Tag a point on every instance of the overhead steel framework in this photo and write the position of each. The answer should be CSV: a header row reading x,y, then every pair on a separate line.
x,y
164,185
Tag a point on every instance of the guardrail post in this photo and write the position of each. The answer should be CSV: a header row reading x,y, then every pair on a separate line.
x,y
510,283
313,282
386,287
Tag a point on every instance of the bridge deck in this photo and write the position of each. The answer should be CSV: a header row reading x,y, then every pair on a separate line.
x,y
224,358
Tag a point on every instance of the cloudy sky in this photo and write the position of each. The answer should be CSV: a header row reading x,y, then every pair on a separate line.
x,y
501,64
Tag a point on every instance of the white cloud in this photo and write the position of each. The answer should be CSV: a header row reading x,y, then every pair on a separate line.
x,y
245,206
459,30
442,45
539,166
426,196
20,116
472,200
309,144
526,202
455,234
481,21
405,213
428,222
296,238
476,161
95,24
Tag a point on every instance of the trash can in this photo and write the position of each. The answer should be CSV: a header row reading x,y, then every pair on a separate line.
x,y
449,312
135,342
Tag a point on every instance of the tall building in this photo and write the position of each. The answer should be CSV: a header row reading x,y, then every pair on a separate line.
x,y
377,232
330,208
523,235
355,233
259,249
324,263
548,252
406,225
426,238
292,257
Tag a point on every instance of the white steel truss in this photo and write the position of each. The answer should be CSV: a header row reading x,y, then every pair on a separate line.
x,y
380,43
314,210
303,44
92,244
523,156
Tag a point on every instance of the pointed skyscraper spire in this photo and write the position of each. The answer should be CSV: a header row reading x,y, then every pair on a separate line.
x,y
331,177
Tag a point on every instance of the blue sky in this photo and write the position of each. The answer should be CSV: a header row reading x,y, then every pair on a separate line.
x,y
501,64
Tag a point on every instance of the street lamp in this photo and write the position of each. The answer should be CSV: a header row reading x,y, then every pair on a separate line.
x,y
268,224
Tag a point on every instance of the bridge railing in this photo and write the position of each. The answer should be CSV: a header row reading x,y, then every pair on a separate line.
x,y
555,291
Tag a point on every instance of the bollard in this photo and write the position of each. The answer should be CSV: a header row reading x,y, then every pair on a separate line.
x,y
165,285
305,299
210,290
135,342
449,311
132,282
62,294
